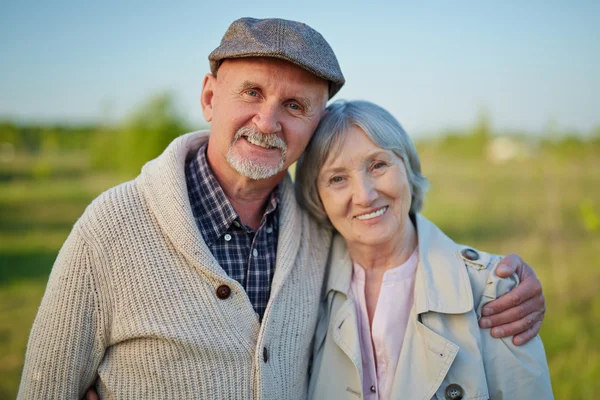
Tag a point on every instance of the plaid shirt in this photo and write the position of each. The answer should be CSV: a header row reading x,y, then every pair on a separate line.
x,y
245,255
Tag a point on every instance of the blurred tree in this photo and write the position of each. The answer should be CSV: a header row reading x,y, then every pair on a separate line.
x,y
483,126
9,133
595,139
142,137
472,143
49,146
481,134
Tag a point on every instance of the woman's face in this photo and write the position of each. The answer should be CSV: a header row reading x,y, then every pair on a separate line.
x,y
365,191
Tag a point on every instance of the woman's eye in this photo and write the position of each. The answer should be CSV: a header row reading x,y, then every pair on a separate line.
x,y
379,165
294,106
336,179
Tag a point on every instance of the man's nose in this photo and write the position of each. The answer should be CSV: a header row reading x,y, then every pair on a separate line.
x,y
267,118
364,192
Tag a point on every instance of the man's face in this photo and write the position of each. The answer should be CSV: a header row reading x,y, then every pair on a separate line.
x,y
263,112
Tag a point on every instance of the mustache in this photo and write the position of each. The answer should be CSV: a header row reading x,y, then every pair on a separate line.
x,y
265,139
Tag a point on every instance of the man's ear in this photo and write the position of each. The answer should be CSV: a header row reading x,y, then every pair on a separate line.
x,y
208,93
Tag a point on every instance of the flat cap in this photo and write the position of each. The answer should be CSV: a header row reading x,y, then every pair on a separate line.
x,y
292,41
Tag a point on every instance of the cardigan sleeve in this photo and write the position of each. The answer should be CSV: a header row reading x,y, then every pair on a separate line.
x,y
512,372
66,343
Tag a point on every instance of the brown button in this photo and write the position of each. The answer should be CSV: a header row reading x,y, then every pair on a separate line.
x,y
265,354
454,392
470,254
223,292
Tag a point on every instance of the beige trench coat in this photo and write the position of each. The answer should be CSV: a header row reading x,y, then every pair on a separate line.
x,y
445,355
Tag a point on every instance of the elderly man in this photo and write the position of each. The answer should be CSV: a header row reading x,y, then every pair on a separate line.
x,y
201,277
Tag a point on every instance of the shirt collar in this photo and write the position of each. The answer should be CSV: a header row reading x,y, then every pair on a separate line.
x,y
441,282
210,206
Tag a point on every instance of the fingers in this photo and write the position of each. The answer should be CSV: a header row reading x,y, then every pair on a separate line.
x,y
532,307
528,334
513,263
91,395
520,312
508,265
524,329
528,288
518,327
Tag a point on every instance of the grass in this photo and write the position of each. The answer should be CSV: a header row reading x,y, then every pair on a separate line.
x,y
36,215
539,208
542,208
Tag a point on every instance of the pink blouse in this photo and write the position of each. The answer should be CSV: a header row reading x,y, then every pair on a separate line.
x,y
389,325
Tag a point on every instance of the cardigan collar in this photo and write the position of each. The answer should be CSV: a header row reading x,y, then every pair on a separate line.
x,y
165,191
441,283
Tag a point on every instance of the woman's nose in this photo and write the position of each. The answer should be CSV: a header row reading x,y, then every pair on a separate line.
x,y
267,118
365,192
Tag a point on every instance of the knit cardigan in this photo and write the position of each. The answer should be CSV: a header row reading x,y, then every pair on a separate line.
x,y
131,303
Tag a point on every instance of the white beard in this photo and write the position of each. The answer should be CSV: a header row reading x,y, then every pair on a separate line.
x,y
251,168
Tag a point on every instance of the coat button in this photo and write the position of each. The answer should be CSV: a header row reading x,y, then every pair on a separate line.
x,y
265,355
470,254
454,392
223,292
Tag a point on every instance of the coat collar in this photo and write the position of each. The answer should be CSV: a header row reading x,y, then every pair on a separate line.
x,y
164,187
441,283
165,190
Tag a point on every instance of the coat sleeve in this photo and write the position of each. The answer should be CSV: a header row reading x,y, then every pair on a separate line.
x,y
66,343
512,372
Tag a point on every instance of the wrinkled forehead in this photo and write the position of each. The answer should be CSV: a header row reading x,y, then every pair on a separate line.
x,y
273,72
334,154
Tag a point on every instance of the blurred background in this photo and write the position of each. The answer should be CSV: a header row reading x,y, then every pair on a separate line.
x,y
502,99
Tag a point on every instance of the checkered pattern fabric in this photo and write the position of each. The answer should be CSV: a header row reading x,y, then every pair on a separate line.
x,y
246,255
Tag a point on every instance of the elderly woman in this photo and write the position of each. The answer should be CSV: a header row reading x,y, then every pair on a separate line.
x,y
402,300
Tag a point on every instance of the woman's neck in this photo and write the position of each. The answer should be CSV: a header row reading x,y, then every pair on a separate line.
x,y
377,259
384,256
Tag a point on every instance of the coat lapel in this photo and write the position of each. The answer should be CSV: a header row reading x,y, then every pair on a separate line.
x,y
425,357
345,321
345,333
442,283
288,242
441,286
173,212
172,207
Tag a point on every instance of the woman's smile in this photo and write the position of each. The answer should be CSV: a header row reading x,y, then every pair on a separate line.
x,y
374,214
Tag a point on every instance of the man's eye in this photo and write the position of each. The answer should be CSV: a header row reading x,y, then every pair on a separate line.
x,y
252,93
294,106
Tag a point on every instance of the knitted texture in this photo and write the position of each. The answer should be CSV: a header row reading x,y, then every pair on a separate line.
x,y
131,305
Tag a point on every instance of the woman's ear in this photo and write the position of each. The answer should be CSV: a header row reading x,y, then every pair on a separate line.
x,y
206,98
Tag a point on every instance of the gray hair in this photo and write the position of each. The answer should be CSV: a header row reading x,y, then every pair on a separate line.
x,y
380,126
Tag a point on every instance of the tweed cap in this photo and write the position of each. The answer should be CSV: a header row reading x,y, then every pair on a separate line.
x,y
292,41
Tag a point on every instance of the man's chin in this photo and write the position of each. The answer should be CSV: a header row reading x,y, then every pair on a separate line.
x,y
254,170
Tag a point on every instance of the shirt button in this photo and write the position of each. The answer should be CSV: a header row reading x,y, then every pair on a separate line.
x,y
255,253
228,237
223,292
454,392
269,229
373,389
470,254
236,223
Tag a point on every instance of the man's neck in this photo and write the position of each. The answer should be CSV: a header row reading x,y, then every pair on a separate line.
x,y
248,197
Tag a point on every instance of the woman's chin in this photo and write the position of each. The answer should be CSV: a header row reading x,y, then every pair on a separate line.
x,y
375,238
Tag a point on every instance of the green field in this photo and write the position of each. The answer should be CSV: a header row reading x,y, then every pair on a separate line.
x,y
544,206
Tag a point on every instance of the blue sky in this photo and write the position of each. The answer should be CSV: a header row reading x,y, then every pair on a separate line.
x,y
433,64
